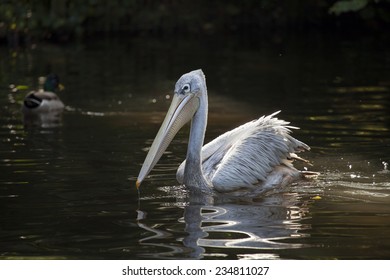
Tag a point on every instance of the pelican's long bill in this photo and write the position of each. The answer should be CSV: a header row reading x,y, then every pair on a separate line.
x,y
182,109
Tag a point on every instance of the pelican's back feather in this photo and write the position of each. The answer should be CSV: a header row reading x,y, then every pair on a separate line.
x,y
245,156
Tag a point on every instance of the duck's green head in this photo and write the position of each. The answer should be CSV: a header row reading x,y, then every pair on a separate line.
x,y
52,83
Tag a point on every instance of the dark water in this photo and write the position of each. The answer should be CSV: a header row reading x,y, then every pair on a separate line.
x,y
67,189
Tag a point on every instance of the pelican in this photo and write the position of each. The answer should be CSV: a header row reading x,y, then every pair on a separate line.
x,y
44,100
257,154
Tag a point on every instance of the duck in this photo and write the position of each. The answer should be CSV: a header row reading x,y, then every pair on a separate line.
x,y
44,100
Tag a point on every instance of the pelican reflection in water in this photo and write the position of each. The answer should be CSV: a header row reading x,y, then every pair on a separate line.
x,y
257,155
255,230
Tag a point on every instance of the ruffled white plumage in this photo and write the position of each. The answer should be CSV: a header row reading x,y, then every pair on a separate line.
x,y
246,156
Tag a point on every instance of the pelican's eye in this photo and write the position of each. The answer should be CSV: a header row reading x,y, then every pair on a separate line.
x,y
186,88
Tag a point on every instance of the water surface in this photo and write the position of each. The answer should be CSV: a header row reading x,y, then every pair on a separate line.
x,y
67,188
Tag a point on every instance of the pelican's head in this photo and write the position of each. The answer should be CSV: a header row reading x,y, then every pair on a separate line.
x,y
189,90
191,83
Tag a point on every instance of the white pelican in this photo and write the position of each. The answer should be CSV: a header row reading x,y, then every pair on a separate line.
x,y
44,100
257,154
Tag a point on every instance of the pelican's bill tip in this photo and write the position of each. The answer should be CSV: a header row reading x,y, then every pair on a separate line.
x,y
137,184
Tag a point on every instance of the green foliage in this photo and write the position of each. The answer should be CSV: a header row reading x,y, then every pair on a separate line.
x,y
365,9
72,18
345,6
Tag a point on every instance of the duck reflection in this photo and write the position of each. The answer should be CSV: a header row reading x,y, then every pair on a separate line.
x,y
273,222
44,120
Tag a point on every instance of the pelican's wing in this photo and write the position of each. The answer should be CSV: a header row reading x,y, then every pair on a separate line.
x,y
246,155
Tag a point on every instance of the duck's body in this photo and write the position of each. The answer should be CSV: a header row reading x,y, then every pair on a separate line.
x,y
44,100
255,155
37,102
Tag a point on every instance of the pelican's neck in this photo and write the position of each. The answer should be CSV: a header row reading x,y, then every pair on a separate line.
x,y
193,174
